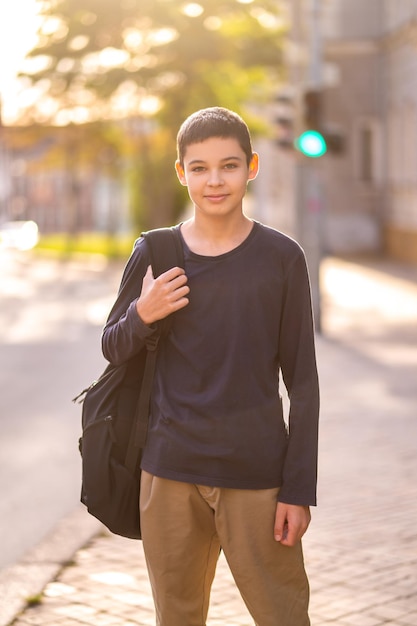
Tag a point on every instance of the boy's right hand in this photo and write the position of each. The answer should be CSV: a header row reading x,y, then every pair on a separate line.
x,y
163,295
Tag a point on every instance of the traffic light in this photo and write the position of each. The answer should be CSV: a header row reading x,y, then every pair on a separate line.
x,y
312,142
312,109
298,123
317,138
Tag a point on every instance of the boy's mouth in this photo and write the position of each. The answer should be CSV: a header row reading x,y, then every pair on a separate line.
x,y
216,197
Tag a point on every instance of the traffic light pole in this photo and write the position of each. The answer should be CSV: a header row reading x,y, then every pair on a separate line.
x,y
309,196
315,46
309,209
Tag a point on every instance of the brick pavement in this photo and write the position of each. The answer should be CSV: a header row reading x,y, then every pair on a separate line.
x,y
361,549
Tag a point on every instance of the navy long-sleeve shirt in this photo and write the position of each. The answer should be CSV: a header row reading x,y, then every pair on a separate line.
x,y
216,412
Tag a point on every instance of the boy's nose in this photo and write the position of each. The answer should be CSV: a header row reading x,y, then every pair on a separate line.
x,y
215,178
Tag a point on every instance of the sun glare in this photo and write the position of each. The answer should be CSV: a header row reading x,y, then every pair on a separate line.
x,y
18,25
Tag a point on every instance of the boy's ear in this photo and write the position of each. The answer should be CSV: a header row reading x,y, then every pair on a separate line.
x,y
180,173
253,166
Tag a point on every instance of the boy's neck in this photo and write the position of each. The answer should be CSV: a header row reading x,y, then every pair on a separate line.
x,y
210,237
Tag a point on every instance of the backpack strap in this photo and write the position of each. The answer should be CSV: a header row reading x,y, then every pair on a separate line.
x,y
165,251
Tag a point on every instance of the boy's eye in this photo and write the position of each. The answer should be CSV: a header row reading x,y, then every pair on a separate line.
x,y
202,168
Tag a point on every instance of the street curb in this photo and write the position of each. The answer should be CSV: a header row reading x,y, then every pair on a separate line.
x,y
29,577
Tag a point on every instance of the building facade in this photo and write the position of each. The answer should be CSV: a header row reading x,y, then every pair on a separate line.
x,y
374,46
367,76
399,78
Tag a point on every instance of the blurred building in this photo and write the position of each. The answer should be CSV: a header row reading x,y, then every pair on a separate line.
x,y
45,177
367,74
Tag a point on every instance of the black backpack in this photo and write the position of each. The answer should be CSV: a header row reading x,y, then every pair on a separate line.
x,y
115,416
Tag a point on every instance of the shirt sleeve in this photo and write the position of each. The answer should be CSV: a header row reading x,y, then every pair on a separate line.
x,y
124,333
299,371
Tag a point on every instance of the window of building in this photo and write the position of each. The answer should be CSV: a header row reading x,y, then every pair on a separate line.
x,y
368,154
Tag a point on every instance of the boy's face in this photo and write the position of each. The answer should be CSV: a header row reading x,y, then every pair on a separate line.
x,y
216,174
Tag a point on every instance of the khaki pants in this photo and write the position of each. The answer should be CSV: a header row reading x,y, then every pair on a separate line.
x,y
183,528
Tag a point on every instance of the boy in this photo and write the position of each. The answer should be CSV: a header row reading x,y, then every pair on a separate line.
x,y
220,468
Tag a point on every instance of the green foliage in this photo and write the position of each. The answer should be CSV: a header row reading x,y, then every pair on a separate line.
x,y
63,245
95,50
154,60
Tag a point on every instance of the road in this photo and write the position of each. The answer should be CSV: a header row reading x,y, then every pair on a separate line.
x,y
51,316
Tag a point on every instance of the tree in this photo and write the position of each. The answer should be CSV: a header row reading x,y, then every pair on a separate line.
x,y
156,61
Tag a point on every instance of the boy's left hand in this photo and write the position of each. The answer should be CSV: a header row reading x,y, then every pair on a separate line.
x,y
291,522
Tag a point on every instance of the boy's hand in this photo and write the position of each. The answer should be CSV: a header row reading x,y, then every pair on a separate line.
x,y
163,295
291,522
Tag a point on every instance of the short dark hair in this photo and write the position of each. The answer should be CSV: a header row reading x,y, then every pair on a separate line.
x,y
213,122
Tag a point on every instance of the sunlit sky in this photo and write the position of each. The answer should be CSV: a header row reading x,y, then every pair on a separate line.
x,y
17,36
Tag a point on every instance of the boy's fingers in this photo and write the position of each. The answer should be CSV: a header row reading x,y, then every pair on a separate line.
x,y
173,283
171,274
280,519
162,295
291,522
166,277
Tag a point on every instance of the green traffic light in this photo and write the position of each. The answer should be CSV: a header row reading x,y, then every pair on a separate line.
x,y
311,143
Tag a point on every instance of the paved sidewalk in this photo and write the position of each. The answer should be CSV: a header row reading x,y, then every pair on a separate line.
x,y
361,548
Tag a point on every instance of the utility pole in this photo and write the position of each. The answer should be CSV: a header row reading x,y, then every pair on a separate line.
x,y
314,206
308,190
316,53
